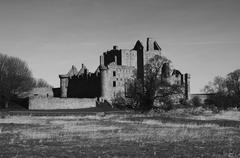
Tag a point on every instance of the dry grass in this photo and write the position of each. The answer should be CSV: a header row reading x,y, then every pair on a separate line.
x,y
117,135
176,125
223,115
22,120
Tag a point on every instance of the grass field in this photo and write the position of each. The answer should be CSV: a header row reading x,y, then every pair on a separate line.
x,y
121,135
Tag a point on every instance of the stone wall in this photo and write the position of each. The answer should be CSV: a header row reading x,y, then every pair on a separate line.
x,y
43,91
115,79
51,103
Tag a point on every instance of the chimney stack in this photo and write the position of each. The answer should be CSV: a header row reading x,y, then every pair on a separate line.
x,y
150,45
101,60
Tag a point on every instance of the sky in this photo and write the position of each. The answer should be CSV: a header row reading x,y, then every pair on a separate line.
x,y
200,37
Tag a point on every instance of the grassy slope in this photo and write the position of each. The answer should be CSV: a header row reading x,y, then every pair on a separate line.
x,y
121,136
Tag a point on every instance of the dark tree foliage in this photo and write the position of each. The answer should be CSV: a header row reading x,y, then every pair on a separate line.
x,y
15,77
226,91
153,90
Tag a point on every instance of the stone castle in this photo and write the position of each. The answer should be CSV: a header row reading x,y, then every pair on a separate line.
x,y
116,67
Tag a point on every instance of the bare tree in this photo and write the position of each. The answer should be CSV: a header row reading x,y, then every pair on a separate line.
x,y
217,85
41,83
15,77
233,83
154,88
226,90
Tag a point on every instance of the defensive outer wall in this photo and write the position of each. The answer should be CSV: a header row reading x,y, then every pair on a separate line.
x,y
51,103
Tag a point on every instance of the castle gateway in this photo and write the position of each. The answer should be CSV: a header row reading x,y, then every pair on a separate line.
x,y
116,68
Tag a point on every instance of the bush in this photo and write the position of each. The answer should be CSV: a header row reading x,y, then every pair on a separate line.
x,y
222,101
121,102
168,105
225,91
184,103
197,111
196,101
3,115
211,107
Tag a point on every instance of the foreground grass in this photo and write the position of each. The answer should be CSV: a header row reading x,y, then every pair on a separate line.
x,y
121,136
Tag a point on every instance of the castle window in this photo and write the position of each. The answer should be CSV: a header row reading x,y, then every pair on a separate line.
x,y
114,83
114,73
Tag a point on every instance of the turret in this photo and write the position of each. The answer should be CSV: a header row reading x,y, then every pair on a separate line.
x,y
104,81
187,85
140,59
63,85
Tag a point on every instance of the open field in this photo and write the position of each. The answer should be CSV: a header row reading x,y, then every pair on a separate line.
x,y
121,135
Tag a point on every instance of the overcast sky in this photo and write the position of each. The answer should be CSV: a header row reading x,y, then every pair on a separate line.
x,y
201,37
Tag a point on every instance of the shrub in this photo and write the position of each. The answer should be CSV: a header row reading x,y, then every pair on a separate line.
x,y
184,103
197,111
121,102
223,101
225,90
196,101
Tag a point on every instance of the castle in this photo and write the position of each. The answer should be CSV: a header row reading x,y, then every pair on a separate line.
x,y
116,67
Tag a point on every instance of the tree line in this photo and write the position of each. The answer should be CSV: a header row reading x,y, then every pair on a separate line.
x,y
151,91
225,91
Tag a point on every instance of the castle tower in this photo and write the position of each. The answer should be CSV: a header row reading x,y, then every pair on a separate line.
x,y
187,85
104,82
63,85
140,59
103,78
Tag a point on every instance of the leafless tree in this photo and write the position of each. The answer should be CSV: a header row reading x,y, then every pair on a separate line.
x,y
41,83
233,83
15,77
226,90
154,88
217,85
